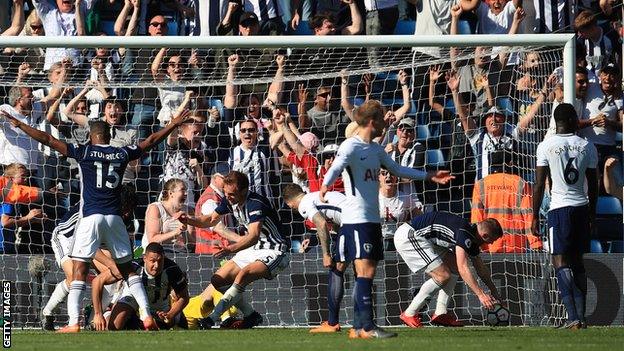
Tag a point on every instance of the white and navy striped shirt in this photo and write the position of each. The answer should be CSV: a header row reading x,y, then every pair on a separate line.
x,y
598,53
255,164
554,15
264,9
257,208
483,144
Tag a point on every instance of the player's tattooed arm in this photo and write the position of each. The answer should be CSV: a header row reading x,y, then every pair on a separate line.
x,y
323,235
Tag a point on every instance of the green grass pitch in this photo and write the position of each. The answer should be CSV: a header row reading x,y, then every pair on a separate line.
x,y
544,338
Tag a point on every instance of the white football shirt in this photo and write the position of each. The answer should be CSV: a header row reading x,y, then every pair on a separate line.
x,y
311,204
568,156
359,162
395,211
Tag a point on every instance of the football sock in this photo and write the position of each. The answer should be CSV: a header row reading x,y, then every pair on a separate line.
x,y
135,286
357,323
230,297
580,280
427,290
58,295
365,302
244,307
445,294
565,280
335,292
74,299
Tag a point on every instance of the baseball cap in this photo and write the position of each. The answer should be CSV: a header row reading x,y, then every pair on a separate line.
x,y
407,122
248,17
330,148
309,140
494,110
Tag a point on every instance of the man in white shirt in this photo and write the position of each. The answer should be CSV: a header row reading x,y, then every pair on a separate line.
x,y
495,16
16,146
62,19
361,159
571,162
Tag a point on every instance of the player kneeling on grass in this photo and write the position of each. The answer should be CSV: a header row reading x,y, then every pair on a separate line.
x,y
160,276
441,243
261,253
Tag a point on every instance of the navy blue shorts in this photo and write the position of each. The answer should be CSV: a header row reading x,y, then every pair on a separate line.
x,y
359,241
568,230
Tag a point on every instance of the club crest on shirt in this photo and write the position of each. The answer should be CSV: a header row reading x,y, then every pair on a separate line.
x,y
468,242
368,247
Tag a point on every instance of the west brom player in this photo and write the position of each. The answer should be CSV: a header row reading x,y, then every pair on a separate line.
x,y
441,243
160,276
325,216
569,159
361,159
101,167
261,253
62,242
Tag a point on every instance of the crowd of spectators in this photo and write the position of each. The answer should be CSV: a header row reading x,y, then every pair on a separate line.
x,y
477,117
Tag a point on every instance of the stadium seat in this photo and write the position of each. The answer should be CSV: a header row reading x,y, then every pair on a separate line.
x,y
422,133
616,246
595,247
302,29
405,28
434,158
608,205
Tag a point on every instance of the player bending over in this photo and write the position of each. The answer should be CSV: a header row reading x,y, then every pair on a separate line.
x,y
101,169
361,159
441,243
324,216
160,276
261,253
569,159
62,242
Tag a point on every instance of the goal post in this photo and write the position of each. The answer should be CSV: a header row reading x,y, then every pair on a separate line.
x,y
351,69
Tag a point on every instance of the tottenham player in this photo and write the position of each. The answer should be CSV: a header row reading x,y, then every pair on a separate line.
x,y
261,253
441,243
361,159
160,276
101,167
570,160
325,216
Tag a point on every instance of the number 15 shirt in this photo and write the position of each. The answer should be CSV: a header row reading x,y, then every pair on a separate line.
x,y
568,156
101,171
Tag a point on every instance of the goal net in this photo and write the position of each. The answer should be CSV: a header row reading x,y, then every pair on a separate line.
x,y
137,89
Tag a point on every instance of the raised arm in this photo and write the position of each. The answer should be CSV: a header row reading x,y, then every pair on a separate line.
x,y
42,137
17,19
518,17
156,138
78,118
345,103
434,75
133,24
468,124
469,5
80,23
456,11
156,65
290,137
229,100
487,300
278,81
302,97
407,101
545,92
356,19
51,115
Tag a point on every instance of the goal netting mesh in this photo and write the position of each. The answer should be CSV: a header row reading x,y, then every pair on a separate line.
x,y
148,86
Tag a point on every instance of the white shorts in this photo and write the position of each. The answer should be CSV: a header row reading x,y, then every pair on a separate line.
x,y
61,246
275,260
96,229
417,252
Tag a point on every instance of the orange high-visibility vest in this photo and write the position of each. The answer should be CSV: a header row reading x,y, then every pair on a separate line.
x,y
207,241
13,193
507,198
